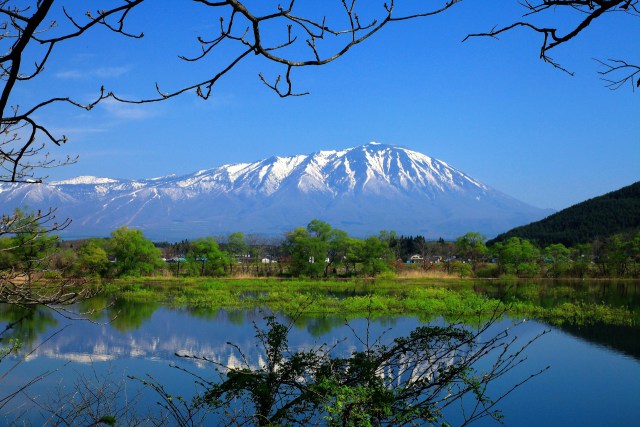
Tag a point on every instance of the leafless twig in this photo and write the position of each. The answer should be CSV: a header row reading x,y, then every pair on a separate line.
x,y
587,12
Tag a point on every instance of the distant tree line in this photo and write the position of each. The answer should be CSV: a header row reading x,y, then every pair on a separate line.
x,y
317,250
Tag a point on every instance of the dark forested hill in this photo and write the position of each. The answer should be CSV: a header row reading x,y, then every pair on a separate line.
x,y
612,213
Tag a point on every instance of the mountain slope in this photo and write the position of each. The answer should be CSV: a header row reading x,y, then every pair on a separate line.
x,y
361,189
603,216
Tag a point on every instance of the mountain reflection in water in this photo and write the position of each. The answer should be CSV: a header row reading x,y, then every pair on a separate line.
x,y
593,378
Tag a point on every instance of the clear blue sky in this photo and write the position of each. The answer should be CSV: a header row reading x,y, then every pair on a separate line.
x,y
489,108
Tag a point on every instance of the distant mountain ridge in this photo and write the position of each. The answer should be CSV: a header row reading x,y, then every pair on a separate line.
x,y
612,213
362,190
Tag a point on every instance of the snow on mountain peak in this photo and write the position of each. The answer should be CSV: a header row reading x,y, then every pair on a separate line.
x,y
372,168
363,189
87,179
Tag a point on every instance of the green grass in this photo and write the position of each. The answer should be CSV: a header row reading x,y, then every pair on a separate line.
x,y
555,302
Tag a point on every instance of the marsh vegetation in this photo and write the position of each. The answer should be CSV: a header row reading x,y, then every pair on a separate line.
x,y
213,322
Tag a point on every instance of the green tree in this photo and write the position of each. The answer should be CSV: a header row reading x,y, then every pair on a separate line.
x,y
92,258
314,250
471,247
557,256
375,256
338,246
307,252
64,262
634,252
354,249
31,245
517,256
132,253
615,255
236,244
462,269
580,260
387,236
6,257
320,230
206,259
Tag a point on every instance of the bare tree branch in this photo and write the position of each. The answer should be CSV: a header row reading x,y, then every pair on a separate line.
x,y
618,73
24,139
291,36
587,12
288,36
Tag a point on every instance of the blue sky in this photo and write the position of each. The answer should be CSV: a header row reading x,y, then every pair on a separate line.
x,y
490,108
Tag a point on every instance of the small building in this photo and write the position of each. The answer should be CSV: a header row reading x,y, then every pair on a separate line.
x,y
416,259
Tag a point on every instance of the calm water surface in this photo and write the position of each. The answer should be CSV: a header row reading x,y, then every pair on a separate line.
x,y
594,379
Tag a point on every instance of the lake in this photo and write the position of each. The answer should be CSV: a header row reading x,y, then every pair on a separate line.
x,y
593,380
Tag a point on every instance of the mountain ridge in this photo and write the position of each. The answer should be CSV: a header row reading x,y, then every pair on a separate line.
x,y
364,189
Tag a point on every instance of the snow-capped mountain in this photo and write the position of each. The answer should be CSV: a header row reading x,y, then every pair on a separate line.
x,y
361,190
